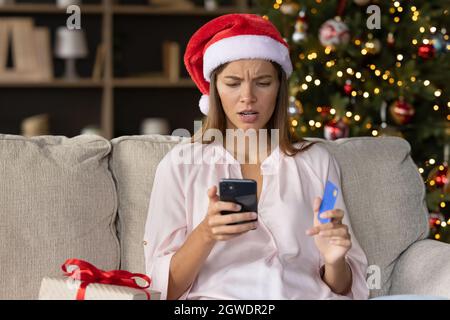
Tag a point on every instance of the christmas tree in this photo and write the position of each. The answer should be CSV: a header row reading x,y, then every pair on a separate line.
x,y
373,68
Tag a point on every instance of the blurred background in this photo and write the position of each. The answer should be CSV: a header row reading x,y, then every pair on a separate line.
x,y
361,68
129,79
374,68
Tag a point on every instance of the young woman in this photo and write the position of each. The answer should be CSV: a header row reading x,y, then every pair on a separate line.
x,y
241,64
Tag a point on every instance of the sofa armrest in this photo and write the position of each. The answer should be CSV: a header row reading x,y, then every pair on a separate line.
x,y
423,269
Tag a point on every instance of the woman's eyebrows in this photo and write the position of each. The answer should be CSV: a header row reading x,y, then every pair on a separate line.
x,y
256,78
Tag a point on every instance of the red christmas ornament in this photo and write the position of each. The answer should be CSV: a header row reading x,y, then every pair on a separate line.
x,y
401,111
334,32
432,222
325,111
426,51
435,219
336,129
439,176
348,87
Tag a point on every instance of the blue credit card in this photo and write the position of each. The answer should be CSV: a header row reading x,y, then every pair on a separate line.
x,y
328,201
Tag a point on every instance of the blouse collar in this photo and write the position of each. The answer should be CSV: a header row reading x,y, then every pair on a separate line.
x,y
221,155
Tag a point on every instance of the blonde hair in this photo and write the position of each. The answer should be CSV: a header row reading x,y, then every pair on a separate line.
x,y
216,118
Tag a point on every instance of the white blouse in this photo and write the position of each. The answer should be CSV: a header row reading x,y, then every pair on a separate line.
x,y
275,261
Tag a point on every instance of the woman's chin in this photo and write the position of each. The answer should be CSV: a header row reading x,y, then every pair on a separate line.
x,y
249,126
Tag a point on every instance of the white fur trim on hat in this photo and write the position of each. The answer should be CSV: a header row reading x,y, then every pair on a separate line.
x,y
245,47
204,104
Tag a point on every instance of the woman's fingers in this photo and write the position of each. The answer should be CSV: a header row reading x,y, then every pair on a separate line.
x,y
227,226
226,206
225,237
239,228
341,242
316,204
232,218
212,194
340,231
336,215
315,230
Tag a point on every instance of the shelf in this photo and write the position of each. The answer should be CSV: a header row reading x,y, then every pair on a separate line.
x,y
152,82
48,8
56,83
110,15
151,10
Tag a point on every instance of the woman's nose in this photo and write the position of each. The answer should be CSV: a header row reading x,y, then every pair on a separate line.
x,y
247,94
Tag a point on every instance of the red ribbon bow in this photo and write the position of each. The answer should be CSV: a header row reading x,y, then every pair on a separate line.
x,y
87,274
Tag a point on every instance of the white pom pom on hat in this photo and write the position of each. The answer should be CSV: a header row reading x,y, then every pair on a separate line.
x,y
216,43
204,104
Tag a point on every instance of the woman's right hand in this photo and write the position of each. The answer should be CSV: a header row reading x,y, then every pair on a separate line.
x,y
215,224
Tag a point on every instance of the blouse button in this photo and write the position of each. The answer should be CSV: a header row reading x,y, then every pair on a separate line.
x,y
144,243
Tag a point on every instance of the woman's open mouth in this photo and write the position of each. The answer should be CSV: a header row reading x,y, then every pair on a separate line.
x,y
248,116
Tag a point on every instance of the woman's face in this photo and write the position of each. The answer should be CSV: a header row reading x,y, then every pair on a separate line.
x,y
248,91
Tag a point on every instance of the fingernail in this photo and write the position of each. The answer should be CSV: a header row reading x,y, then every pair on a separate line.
x,y
238,207
254,215
308,232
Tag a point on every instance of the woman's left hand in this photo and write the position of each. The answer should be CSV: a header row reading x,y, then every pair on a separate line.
x,y
332,239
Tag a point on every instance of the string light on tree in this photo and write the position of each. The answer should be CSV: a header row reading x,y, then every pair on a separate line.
x,y
439,177
357,69
372,46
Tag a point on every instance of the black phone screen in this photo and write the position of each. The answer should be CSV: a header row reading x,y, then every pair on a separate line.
x,y
240,191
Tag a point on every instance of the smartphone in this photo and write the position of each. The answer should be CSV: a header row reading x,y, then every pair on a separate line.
x,y
328,201
240,191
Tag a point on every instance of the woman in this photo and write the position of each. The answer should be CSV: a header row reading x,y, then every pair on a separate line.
x,y
242,63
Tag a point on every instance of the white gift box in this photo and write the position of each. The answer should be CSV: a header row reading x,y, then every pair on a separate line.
x,y
66,288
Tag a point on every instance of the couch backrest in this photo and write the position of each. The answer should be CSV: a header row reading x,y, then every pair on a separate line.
x,y
57,201
133,163
382,187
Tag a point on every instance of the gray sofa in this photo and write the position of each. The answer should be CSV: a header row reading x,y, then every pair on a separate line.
x,y
86,197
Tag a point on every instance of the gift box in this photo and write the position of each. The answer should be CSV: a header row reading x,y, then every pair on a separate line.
x,y
83,281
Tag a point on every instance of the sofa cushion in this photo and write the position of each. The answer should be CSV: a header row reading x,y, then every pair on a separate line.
x,y
133,163
57,201
385,197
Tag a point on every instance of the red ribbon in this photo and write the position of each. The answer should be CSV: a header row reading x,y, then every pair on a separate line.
x,y
87,274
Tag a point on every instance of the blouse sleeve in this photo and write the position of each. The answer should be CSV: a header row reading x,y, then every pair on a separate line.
x,y
355,257
165,228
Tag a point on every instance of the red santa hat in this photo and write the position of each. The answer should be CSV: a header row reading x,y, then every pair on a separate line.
x,y
228,38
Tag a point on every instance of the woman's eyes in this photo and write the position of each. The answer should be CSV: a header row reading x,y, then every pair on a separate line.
x,y
264,84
